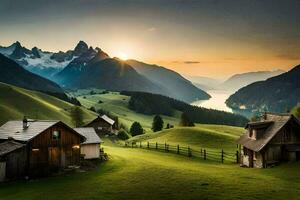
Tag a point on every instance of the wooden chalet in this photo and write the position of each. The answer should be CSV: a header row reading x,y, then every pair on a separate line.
x,y
273,139
103,125
37,147
90,149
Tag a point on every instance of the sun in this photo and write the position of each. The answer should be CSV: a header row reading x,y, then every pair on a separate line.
x,y
123,56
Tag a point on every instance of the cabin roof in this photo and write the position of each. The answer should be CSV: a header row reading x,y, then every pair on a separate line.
x,y
278,122
15,130
9,146
90,134
103,117
108,120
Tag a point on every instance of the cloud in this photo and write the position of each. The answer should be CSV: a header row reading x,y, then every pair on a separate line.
x,y
191,62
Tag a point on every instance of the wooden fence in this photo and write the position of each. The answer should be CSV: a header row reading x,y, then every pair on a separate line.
x,y
205,154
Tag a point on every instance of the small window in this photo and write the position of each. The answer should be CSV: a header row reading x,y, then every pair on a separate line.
x,y
56,135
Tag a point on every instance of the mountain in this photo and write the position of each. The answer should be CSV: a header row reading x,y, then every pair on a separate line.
x,y
175,85
17,102
238,81
12,73
204,83
110,74
43,63
86,66
276,94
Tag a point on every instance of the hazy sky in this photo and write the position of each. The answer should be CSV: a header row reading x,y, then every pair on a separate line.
x,y
206,38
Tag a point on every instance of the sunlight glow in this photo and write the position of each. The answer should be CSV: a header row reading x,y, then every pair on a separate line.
x,y
123,56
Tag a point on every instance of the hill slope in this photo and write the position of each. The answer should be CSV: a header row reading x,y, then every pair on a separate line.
x,y
277,94
17,102
215,137
176,86
241,80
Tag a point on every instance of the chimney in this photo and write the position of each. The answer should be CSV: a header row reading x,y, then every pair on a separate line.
x,y
265,115
25,123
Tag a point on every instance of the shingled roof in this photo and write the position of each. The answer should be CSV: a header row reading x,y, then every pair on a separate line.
x,y
90,134
9,146
15,130
275,123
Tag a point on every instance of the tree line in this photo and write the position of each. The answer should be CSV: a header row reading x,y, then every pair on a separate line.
x,y
152,104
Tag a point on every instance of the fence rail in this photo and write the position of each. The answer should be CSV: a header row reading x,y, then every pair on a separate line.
x,y
205,154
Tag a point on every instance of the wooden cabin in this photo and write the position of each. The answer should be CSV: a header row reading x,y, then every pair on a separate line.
x,y
103,125
273,139
41,146
90,149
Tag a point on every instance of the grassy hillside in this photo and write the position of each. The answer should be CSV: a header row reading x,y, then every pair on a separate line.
x,y
118,105
214,137
17,102
141,174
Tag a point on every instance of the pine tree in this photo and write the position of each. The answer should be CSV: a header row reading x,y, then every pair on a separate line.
x,y
136,129
157,124
76,116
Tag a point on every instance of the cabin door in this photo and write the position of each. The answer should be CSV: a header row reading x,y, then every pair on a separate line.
x,y
251,158
54,156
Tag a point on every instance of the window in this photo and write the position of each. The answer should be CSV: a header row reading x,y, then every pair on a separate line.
x,y
56,135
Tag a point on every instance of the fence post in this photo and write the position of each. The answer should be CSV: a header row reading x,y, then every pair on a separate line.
x,y
156,145
165,146
178,149
148,145
189,152
204,154
237,156
222,156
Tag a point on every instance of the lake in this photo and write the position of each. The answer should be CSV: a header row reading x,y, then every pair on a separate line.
x,y
217,100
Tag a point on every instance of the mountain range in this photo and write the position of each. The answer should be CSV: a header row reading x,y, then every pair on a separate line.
x,y
170,80
277,94
234,82
88,67
12,73
238,81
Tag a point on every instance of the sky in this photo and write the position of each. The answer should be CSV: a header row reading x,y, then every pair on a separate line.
x,y
214,38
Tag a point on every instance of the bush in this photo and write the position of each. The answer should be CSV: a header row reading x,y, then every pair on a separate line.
x,y
185,120
123,135
93,109
136,129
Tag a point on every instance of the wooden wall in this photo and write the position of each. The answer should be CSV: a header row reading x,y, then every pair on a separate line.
x,y
47,154
101,126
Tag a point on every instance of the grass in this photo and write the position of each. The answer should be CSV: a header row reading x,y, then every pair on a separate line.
x,y
118,105
17,102
141,174
210,137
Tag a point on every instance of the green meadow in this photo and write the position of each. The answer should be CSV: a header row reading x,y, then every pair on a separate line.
x,y
16,102
142,174
118,105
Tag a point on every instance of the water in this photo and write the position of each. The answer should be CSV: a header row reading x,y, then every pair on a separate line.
x,y
217,100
